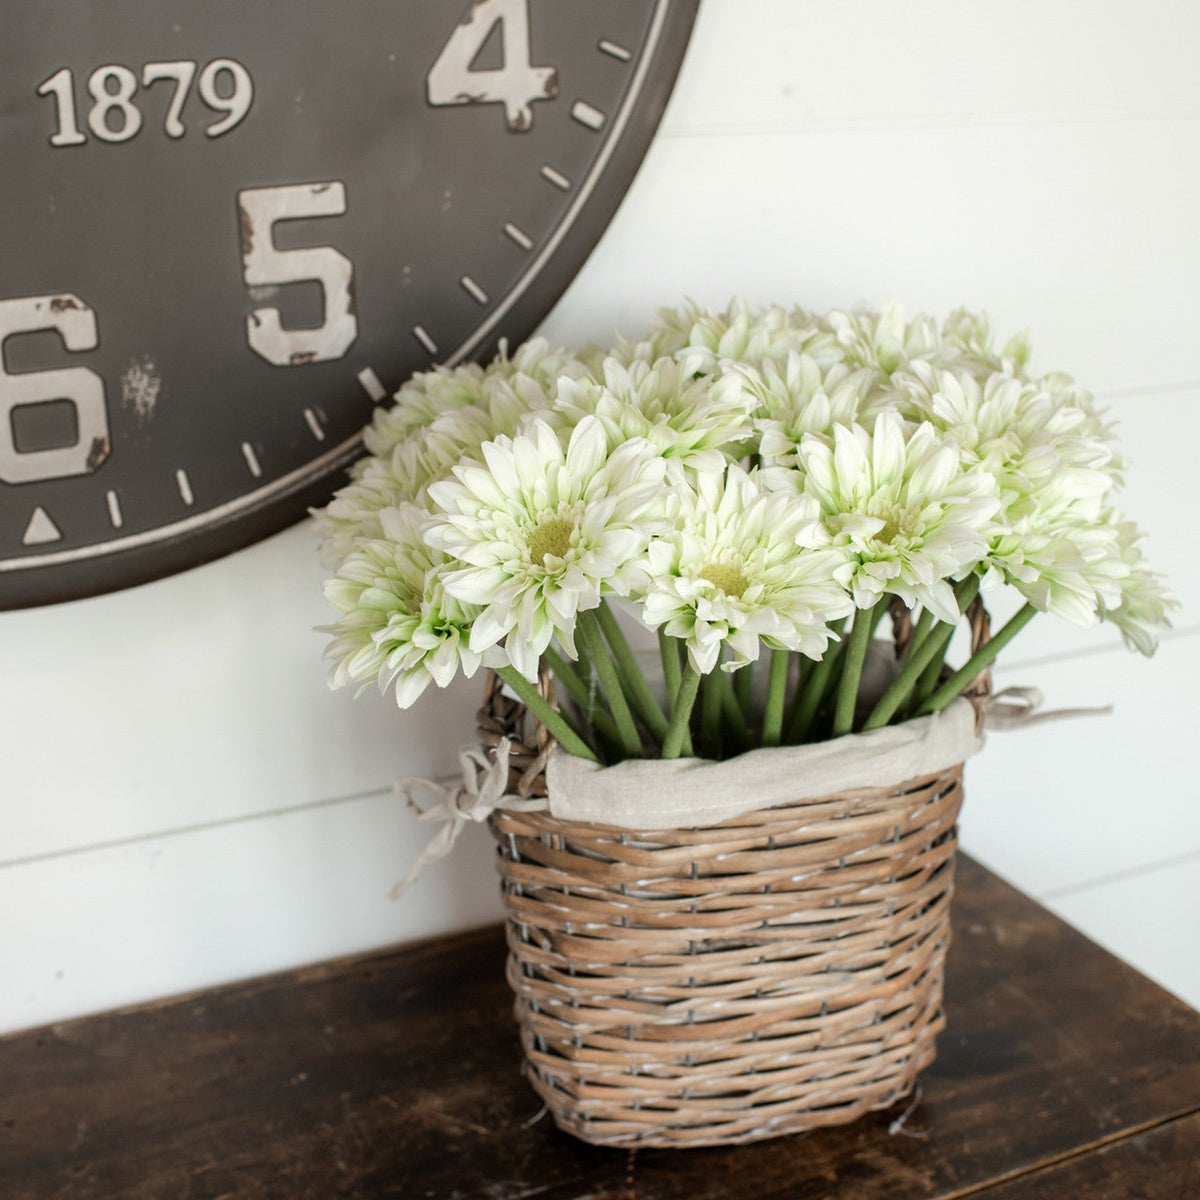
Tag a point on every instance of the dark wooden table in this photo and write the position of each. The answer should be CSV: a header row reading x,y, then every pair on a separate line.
x,y
1063,1073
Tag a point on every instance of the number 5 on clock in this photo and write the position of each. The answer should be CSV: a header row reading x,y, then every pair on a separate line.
x,y
264,266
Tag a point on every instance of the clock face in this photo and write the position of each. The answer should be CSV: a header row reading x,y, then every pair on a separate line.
x,y
230,228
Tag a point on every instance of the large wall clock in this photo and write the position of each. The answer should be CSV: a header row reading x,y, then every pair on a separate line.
x,y
228,228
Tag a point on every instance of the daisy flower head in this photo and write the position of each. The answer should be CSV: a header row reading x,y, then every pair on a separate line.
x,y
1044,453
1070,569
691,417
670,331
796,396
397,626
429,395
398,477
542,529
1053,473
903,508
728,575
1144,605
421,401
744,334
967,344
739,333
883,341
538,360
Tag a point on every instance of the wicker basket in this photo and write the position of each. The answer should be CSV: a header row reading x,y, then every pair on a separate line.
x,y
688,987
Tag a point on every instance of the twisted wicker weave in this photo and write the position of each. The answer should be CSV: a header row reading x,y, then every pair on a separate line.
x,y
688,987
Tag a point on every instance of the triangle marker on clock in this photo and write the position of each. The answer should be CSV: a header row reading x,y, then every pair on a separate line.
x,y
40,529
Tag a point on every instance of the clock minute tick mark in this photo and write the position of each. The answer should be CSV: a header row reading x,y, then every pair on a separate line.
x,y
185,487
424,338
114,509
518,235
586,114
251,460
314,424
557,178
371,384
614,50
473,289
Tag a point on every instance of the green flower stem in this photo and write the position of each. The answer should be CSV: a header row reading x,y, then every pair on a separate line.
x,y
743,687
808,698
580,692
668,649
901,687
554,721
588,628
776,688
681,712
865,620
920,632
731,709
634,681
929,677
982,658
710,713
566,674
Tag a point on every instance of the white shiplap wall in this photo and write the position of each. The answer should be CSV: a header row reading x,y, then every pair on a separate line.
x,y
183,802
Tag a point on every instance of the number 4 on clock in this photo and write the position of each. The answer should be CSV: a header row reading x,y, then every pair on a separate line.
x,y
453,79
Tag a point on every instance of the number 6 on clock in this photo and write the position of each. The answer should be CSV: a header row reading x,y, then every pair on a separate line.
x,y
75,323
263,266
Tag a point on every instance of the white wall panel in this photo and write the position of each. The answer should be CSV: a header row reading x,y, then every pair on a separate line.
x,y
1059,804
1073,232
1149,918
102,928
936,62
193,699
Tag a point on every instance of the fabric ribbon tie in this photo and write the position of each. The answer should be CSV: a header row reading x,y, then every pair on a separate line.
x,y
483,790
1017,708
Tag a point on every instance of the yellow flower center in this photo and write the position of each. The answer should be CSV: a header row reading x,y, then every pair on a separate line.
x,y
551,537
897,523
729,579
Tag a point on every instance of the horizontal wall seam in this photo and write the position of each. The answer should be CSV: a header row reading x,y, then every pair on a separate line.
x,y
198,827
1142,869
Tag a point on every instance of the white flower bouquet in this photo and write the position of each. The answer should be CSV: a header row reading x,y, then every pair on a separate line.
x,y
756,487
705,952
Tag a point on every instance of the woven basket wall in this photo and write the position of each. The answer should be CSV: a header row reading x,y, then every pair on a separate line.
x,y
772,974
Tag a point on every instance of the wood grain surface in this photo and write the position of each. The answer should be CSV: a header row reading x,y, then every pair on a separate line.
x,y
1062,1073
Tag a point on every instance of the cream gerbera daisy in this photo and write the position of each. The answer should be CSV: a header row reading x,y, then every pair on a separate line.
x,y
399,477
429,395
1142,608
687,416
904,509
543,530
729,575
967,343
796,397
397,626
884,340
1053,470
